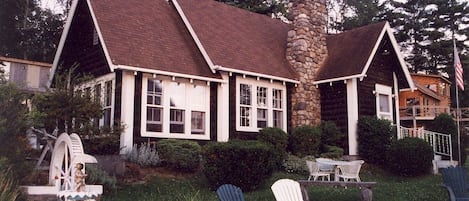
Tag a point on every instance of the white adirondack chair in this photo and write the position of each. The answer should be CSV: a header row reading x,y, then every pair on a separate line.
x,y
287,190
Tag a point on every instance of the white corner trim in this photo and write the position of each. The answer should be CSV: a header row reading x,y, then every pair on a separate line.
x,y
352,115
63,37
194,35
400,57
231,70
100,37
375,49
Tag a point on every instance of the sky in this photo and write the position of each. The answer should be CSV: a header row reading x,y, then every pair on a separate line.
x,y
52,4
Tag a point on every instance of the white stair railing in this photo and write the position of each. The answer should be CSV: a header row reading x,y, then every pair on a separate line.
x,y
440,142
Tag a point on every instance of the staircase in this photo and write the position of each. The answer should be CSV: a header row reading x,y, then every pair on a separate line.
x,y
440,142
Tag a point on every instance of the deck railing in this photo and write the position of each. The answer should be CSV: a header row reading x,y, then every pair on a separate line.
x,y
421,111
440,142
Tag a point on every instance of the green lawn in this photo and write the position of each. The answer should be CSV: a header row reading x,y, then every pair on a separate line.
x,y
389,188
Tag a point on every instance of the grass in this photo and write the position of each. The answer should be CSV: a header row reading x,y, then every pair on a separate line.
x,y
388,188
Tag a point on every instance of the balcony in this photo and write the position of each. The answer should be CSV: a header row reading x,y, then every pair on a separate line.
x,y
421,112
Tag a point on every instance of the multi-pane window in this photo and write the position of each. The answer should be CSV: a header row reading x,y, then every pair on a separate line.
x,y
101,91
260,104
175,109
246,106
107,106
154,106
277,108
262,107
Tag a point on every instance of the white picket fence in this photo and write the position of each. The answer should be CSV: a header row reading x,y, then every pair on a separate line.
x,y
440,142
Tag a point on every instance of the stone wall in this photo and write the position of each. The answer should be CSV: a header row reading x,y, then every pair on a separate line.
x,y
306,51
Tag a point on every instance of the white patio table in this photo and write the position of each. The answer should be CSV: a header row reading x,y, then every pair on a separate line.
x,y
336,165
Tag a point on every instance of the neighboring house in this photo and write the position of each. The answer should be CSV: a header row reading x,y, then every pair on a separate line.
x,y
203,70
431,98
31,76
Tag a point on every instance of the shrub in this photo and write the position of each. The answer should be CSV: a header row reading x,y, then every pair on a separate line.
x,y
332,152
445,124
180,155
330,134
305,140
374,138
279,141
144,156
104,140
409,157
98,176
295,164
243,163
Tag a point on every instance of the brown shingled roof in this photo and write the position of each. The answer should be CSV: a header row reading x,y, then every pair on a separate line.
x,y
239,39
148,34
151,34
349,51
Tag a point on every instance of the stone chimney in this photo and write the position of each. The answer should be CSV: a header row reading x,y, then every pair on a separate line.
x,y
306,51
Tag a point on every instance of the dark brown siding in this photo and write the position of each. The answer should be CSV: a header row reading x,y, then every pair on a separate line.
x,y
213,111
118,98
289,107
334,107
138,109
380,72
79,49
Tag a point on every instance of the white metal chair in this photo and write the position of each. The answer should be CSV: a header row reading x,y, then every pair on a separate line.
x,y
314,172
351,170
287,190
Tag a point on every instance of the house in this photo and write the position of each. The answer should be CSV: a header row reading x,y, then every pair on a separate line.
x,y
30,76
431,98
203,70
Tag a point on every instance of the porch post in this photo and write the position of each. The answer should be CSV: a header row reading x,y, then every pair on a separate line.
x,y
352,110
127,110
223,110
396,107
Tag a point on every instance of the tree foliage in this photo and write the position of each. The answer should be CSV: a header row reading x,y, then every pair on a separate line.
x,y
348,14
13,126
66,106
28,31
274,8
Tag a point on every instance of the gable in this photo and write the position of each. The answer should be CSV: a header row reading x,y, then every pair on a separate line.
x,y
351,53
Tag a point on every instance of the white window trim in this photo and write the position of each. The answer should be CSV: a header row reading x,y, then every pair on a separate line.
x,y
270,86
384,90
188,108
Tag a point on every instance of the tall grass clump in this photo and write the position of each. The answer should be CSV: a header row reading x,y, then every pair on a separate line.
x,y
9,190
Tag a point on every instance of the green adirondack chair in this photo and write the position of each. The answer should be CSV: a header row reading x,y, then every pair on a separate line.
x,y
455,182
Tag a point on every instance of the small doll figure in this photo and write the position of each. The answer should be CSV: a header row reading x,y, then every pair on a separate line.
x,y
79,178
